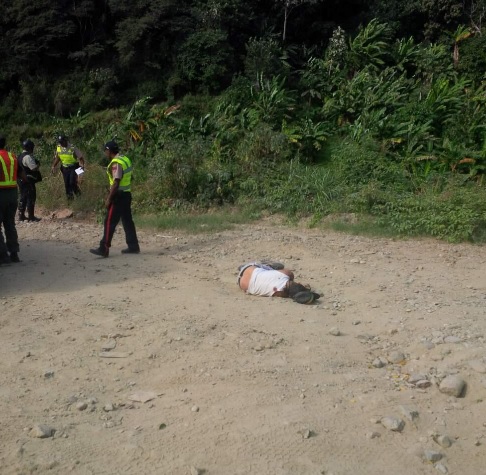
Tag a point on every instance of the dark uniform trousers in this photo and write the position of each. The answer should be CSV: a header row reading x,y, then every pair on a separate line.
x,y
8,208
120,208
28,195
70,180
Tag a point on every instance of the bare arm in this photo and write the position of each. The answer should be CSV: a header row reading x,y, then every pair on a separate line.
x,y
113,191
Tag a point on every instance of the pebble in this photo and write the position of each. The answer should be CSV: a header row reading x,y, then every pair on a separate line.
x,y
41,431
432,455
452,339
416,377
373,435
423,384
396,357
441,468
379,362
393,423
195,408
195,471
49,374
334,331
410,413
444,441
108,407
81,406
452,385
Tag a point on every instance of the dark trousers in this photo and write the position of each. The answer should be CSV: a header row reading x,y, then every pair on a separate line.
x,y
70,180
28,196
121,208
8,208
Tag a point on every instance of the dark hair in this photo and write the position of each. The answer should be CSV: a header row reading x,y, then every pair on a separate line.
x,y
61,138
295,288
3,141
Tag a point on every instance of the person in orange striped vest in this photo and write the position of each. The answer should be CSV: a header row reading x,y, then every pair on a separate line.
x,y
9,171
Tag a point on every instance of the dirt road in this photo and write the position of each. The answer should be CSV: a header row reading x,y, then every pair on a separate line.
x,y
239,384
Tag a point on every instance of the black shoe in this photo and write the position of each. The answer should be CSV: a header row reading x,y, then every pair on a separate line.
x,y
33,219
5,259
99,252
14,257
130,251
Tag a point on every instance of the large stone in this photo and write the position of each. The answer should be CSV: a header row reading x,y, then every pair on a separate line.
x,y
393,423
64,214
452,385
41,431
396,357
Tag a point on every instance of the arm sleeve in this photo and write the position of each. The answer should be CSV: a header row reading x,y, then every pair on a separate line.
x,y
29,162
117,171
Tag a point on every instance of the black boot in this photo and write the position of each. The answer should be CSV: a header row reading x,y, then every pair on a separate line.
x,y
30,215
14,257
22,216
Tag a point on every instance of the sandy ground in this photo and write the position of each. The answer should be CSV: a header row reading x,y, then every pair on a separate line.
x,y
240,384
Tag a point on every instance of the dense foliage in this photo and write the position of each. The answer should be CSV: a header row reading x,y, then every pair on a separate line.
x,y
305,107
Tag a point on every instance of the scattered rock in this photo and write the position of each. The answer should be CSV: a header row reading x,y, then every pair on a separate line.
x,y
64,214
432,455
379,362
41,431
410,413
142,396
452,385
195,408
393,423
373,435
423,384
334,331
49,374
81,406
444,441
441,468
108,345
416,377
108,407
195,471
396,357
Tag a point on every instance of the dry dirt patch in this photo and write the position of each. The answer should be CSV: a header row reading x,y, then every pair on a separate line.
x,y
235,384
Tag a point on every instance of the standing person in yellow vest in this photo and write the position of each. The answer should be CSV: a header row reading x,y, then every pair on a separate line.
x,y
118,203
9,172
71,159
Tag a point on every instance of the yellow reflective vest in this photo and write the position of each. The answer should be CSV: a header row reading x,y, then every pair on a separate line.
x,y
126,164
67,155
8,170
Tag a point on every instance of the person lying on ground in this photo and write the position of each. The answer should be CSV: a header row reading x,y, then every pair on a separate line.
x,y
271,279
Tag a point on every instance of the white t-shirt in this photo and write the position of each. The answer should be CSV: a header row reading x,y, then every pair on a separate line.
x,y
29,162
266,282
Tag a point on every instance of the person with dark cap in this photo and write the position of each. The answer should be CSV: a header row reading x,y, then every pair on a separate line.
x,y
28,193
118,203
71,159
9,172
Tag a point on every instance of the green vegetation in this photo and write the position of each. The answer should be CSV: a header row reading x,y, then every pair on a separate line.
x,y
219,109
